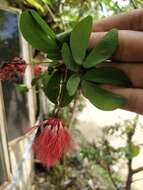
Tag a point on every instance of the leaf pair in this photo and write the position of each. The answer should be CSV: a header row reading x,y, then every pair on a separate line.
x,y
102,98
36,31
79,40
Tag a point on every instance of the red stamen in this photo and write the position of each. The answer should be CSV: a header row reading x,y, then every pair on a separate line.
x,y
52,142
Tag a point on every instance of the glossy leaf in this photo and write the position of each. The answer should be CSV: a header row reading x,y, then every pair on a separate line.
x,y
108,75
44,26
52,90
79,39
101,98
68,59
72,84
103,50
37,37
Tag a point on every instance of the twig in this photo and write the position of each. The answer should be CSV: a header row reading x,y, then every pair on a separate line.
x,y
137,170
50,12
111,177
133,3
137,180
74,109
130,159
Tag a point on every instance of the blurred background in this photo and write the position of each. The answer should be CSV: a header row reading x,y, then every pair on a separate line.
x,y
108,145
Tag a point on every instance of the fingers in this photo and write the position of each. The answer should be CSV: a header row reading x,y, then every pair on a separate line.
x,y
132,20
134,98
130,45
133,71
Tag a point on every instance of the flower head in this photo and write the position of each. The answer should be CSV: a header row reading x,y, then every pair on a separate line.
x,y
50,144
11,69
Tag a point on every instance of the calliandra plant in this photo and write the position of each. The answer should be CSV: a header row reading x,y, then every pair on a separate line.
x,y
72,69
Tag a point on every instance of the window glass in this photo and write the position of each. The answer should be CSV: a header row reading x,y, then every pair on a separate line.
x,y
15,102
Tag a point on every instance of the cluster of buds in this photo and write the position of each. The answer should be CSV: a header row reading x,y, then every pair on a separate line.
x,y
51,142
10,70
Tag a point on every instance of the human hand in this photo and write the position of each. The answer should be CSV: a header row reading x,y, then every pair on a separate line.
x,y
129,54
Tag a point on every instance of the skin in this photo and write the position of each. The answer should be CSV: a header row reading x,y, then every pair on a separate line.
x,y
129,54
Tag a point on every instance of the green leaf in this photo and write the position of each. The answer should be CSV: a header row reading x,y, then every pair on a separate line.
x,y
68,59
133,149
21,87
52,90
44,26
101,98
63,37
79,39
37,36
103,50
73,84
108,75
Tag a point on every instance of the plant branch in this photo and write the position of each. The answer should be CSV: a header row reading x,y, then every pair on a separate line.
x,y
111,178
137,170
74,110
50,12
130,159
137,180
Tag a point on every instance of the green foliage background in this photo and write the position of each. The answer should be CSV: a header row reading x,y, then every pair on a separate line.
x,y
62,14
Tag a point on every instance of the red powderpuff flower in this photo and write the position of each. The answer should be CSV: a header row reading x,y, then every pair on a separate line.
x,y
50,144
11,69
37,70
6,72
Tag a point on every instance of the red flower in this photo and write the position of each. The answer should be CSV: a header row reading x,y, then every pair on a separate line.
x,y
52,142
11,69
37,70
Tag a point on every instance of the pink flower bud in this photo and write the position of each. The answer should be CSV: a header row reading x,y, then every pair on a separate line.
x,y
37,70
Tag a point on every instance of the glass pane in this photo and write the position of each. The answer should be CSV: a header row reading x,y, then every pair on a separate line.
x,y
9,36
15,102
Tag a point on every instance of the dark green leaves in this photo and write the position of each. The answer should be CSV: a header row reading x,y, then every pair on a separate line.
x,y
72,84
103,50
108,75
38,34
101,98
54,93
68,59
79,39
72,46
